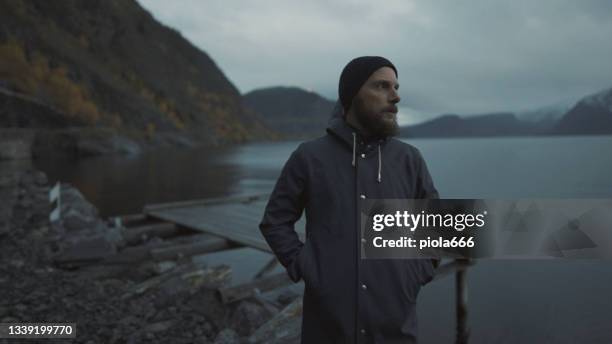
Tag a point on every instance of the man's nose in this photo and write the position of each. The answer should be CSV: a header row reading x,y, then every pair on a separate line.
x,y
395,98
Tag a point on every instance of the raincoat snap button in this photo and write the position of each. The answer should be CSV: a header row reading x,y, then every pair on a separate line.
x,y
364,287
362,196
363,155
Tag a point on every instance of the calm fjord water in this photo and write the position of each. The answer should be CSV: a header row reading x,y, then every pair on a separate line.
x,y
559,301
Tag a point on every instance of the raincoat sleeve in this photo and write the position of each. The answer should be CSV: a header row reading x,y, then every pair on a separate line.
x,y
426,189
425,185
284,209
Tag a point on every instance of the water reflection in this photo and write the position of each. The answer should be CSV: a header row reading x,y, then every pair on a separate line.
x,y
475,168
122,185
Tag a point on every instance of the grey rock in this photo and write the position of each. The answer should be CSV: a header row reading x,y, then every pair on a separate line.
x,y
92,146
14,150
123,145
286,296
74,220
16,144
248,317
227,336
285,327
87,249
76,211
41,178
85,237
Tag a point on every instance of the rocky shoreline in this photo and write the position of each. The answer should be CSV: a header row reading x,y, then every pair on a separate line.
x,y
133,303
23,143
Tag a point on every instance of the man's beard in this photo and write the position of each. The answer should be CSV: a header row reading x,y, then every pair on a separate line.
x,y
374,123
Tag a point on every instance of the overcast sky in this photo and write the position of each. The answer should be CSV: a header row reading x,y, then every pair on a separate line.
x,y
452,56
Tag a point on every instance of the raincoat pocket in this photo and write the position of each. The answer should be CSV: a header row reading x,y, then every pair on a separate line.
x,y
308,268
414,274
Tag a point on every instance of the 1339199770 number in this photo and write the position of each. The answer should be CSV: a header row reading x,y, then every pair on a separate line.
x,y
37,330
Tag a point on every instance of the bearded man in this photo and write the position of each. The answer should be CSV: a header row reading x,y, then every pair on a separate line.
x,y
348,299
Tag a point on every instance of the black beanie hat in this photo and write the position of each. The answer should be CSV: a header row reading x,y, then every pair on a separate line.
x,y
355,74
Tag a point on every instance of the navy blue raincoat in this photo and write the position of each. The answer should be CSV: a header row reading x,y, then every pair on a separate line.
x,y
346,299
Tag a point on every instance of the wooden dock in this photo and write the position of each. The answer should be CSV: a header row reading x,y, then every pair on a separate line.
x,y
212,225
235,219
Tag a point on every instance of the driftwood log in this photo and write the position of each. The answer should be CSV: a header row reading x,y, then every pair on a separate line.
x,y
135,235
256,287
284,327
190,276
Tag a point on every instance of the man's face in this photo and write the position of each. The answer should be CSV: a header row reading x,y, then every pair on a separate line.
x,y
374,105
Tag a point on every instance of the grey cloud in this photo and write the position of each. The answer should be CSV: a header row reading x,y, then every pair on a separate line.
x,y
453,56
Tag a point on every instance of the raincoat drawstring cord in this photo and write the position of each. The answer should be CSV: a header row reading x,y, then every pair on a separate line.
x,y
379,164
354,147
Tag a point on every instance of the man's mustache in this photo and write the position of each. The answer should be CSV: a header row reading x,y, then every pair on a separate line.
x,y
392,108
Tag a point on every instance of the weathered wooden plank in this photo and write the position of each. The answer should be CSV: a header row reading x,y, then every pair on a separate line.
x,y
253,210
204,202
235,213
222,229
141,253
186,250
84,252
242,233
234,227
139,234
285,327
229,228
258,286
131,255
200,275
230,218
127,220
270,265
240,223
216,215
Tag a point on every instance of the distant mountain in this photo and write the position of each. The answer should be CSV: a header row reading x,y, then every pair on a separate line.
x,y
590,116
495,124
291,111
545,118
109,63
